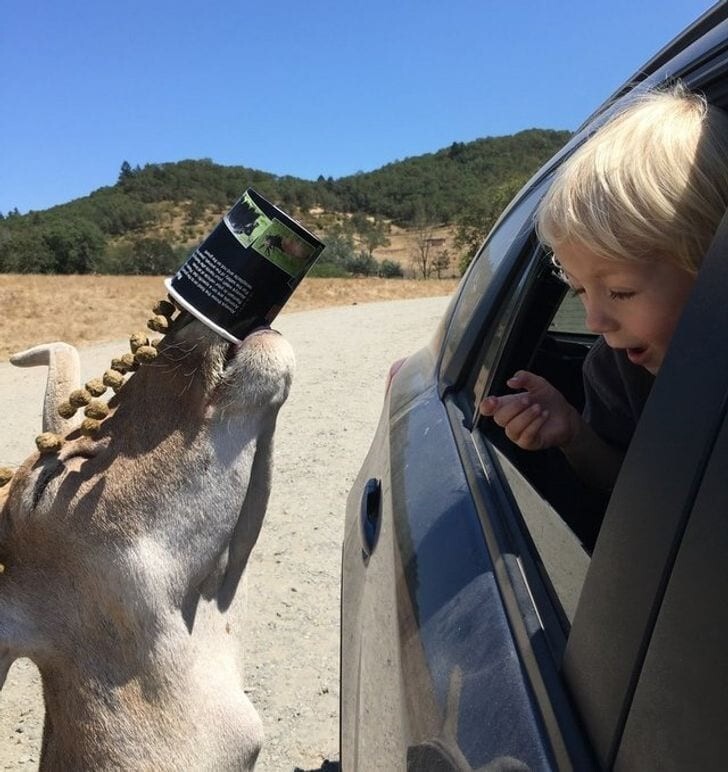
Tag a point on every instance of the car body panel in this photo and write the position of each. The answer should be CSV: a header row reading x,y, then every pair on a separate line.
x,y
404,595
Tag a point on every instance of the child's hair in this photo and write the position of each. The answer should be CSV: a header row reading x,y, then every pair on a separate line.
x,y
652,183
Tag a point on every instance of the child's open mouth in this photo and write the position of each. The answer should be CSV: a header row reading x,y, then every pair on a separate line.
x,y
636,355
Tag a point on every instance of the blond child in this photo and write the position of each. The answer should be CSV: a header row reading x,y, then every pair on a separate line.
x,y
628,219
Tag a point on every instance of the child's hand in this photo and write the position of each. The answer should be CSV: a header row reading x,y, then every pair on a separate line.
x,y
536,418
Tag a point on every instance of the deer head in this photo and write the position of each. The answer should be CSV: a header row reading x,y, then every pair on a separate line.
x,y
123,554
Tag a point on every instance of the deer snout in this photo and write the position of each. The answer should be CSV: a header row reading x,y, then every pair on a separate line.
x,y
259,371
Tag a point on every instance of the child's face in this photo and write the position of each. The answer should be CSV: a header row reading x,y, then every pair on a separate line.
x,y
635,306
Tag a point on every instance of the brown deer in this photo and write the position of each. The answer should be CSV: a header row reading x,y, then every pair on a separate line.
x,y
123,556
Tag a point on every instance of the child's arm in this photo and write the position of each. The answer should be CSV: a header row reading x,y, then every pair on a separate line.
x,y
540,417
595,461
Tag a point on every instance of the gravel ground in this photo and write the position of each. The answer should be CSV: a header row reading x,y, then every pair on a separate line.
x,y
324,430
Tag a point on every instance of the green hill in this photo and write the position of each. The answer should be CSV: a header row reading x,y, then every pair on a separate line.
x,y
150,218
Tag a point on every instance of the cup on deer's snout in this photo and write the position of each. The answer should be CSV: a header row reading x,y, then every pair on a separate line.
x,y
244,272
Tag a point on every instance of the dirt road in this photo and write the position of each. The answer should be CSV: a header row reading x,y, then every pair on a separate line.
x,y
343,355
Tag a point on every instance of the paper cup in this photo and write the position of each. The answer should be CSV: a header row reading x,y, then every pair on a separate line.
x,y
243,273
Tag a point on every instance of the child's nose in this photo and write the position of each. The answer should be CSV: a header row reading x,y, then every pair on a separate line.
x,y
598,319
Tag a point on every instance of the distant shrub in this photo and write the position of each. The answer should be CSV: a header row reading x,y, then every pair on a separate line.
x,y
362,264
390,270
26,252
50,245
339,249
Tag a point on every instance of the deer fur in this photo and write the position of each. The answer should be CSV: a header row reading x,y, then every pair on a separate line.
x,y
124,557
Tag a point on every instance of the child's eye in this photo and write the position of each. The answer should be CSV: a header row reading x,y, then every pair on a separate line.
x,y
576,291
624,295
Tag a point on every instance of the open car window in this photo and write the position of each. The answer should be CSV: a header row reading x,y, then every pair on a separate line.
x,y
542,329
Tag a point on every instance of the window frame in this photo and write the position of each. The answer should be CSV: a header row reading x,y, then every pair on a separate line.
x,y
481,292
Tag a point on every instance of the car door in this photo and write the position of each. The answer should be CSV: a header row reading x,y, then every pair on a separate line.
x,y
431,674
538,522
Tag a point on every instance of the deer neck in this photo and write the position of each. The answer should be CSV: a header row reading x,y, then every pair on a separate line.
x,y
177,703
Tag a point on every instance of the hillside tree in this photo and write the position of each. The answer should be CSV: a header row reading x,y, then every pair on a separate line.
x,y
441,263
476,222
423,254
125,172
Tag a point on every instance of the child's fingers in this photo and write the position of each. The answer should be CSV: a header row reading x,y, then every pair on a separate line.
x,y
488,406
519,423
509,408
523,379
527,435
531,437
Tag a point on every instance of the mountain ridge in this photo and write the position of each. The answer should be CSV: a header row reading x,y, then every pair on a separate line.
x,y
162,209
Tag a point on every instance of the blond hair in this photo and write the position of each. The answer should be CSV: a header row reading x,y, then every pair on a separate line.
x,y
652,183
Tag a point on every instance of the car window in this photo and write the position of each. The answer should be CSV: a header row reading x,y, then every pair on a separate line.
x,y
541,328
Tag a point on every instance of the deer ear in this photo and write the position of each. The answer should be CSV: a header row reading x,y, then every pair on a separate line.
x,y
250,520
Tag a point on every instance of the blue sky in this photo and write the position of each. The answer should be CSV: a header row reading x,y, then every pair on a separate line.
x,y
301,88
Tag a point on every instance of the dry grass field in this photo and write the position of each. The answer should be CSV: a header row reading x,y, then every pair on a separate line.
x,y
91,309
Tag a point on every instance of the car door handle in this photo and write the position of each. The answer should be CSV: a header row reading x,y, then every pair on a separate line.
x,y
370,517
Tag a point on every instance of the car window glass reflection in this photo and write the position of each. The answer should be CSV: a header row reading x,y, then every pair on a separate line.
x,y
564,557
503,240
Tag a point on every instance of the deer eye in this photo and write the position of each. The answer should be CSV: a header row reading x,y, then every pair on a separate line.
x,y
51,469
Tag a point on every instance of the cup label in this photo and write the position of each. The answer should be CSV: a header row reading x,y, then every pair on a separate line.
x,y
214,279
